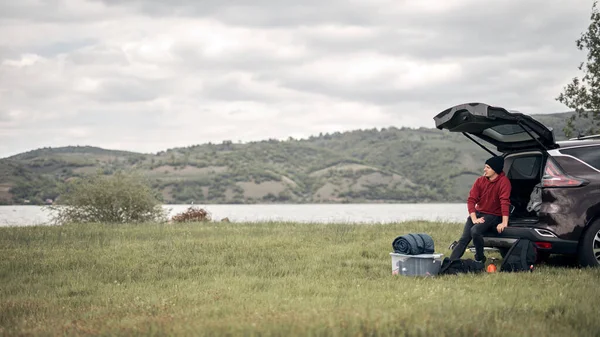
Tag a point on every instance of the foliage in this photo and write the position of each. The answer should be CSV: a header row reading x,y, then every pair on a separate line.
x,y
583,95
192,214
119,198
37,190
270,279
415,165
28,186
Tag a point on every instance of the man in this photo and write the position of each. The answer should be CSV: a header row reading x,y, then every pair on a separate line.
x,y
488,205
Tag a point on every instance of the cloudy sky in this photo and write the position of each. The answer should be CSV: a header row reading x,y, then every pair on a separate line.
x,y
144,75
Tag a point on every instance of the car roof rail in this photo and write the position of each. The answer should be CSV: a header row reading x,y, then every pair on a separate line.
x,y
586,137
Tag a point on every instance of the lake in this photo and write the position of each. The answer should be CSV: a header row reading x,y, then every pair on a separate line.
x,y
319,213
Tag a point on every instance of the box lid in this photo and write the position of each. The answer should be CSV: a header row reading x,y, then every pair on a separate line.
x,y
420,256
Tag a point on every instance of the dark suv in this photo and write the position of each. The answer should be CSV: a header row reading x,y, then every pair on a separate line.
x,y
555,194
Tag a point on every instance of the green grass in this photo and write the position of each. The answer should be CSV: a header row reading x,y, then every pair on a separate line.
x,y
273,279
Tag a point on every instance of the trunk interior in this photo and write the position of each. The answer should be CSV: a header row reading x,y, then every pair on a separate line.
x,y
524,170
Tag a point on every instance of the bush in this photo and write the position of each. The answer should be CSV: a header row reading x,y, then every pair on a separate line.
x,y
120,198
192,214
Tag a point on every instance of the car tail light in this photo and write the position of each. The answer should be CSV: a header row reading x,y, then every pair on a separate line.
x,y
555,177
543,245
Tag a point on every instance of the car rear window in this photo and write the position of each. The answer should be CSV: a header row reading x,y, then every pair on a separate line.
x,y
526,167
589,154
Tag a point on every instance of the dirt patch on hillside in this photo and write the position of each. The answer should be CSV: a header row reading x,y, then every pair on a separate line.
x,y
289,181
343,167
202,170
254,190
378,178
399,180
326,192
85,170
189,170
229,193
331,190
163,169
4,192
375,178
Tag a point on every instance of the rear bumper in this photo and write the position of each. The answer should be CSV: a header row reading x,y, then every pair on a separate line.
x,y
511,235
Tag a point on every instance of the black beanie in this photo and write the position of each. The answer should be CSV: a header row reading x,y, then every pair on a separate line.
x,y
496,163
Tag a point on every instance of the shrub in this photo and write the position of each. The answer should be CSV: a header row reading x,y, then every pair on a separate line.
x,y
119,198
192,214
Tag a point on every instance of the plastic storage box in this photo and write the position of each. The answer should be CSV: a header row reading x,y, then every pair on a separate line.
x,y
416,265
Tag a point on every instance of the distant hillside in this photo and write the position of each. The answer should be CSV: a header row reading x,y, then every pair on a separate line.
x,y
385,165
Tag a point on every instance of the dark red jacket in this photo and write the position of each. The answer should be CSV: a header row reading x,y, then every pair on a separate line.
x,y
490,197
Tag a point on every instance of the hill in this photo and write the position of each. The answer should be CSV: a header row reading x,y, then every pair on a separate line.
x,y
377,165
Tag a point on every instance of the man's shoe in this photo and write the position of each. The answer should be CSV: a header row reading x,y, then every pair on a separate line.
x,y
482,260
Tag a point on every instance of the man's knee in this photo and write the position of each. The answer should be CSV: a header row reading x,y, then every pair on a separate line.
x,y
476,230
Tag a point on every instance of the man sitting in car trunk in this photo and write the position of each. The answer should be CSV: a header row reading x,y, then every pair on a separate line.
x,y
488,205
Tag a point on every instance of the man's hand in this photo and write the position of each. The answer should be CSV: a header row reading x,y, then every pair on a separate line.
x,y
478,220
501,227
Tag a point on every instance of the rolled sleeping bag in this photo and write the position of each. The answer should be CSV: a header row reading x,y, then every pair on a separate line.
x,y
414,244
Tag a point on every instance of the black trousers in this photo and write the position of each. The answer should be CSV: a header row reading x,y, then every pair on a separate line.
x,y
475,232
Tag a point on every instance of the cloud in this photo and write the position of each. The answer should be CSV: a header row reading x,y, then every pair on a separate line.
x,y
150,75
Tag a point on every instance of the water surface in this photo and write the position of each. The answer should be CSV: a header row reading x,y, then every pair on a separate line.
x,y
320,213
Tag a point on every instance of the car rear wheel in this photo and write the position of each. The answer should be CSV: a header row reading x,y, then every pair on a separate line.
x,y
589,247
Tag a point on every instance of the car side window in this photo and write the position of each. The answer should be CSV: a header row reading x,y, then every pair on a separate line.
x,y
525,167
589,154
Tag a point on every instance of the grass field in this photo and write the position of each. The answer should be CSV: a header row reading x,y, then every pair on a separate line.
x,y
271,279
